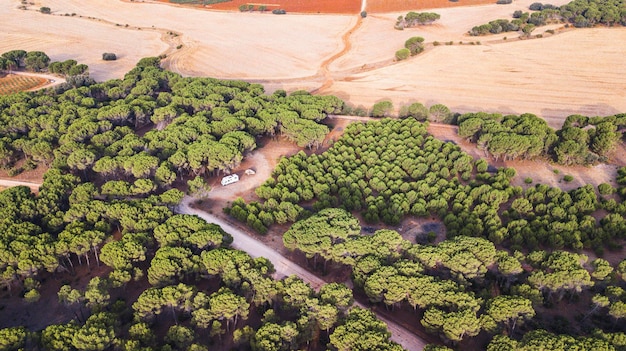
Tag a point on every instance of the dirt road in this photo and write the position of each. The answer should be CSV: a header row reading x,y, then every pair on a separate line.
x,y
11,183
285,267
52,80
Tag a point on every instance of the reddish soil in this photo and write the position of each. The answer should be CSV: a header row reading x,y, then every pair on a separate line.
x,y
33,176
13,83
301,6
376,6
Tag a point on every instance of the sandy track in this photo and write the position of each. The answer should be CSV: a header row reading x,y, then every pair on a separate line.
x,y
11,183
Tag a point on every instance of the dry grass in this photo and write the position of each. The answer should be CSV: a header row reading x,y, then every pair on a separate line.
x,y
551,77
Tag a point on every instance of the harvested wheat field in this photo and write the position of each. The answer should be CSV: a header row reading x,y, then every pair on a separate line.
x,y
339,54
220,44
82,39
300,6
540,76
552,77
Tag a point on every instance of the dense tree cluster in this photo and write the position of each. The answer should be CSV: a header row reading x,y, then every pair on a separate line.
x,y
580,13
389,169
107,199
413,19
67,68
451,284
34,61
204,126
581,140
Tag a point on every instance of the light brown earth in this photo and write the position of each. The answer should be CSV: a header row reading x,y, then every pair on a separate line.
x,y
576,71
542,172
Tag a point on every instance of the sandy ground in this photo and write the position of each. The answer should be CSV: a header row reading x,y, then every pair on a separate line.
x,y
222,44
76,38
539,171
552,77
540,76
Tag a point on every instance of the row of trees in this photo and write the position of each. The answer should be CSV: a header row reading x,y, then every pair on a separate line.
x,y
412,19
412,47
32,61
581,140
580,13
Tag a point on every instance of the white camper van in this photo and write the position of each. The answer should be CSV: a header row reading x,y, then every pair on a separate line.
x,y
233,178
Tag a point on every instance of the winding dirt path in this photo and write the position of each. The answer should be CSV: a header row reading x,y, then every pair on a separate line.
x,y
285,267
52,80
11,183
347,46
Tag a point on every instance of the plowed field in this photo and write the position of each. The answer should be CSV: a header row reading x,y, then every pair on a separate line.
x,y
11,83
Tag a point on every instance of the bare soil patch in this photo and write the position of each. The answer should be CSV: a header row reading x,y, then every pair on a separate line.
x,y
540,171
33,176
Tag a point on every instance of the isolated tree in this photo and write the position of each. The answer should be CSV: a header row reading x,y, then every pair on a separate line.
x,y
109,56
510,311
415,45
382,109
403,54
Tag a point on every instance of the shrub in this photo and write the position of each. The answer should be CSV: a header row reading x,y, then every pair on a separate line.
x,y
528,180
45,10
382,109
415,45
436,43
403,54
504,2
535,6
606,189
568,178
109,56
279,12
243,7
509,172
